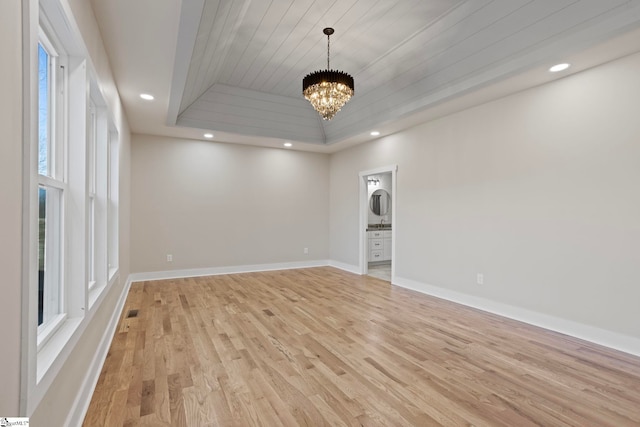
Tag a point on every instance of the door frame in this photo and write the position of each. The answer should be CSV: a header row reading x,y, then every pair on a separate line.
x,y
364,217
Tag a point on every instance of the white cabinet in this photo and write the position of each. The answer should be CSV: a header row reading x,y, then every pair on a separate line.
x,y
376,234
386,248
375,256
379,245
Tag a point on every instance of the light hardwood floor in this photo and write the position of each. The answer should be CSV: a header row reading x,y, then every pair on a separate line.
x,y
323,347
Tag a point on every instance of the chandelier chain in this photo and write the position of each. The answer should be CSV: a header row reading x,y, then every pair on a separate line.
x,y
328,46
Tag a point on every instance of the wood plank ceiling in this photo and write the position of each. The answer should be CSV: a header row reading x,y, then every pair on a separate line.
x,y
239,64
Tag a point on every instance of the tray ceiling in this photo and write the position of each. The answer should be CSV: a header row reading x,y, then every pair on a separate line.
x,y
239,64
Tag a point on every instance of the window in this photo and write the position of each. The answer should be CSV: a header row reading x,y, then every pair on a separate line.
x,y
70,192
51,186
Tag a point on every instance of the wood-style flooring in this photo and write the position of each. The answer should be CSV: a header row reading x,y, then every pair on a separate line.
x,y
322,347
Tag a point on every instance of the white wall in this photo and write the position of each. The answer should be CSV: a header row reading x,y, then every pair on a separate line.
x,y
216,205
11,203
538,191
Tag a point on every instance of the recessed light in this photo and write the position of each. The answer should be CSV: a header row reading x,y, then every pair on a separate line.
x,y
146,97
208,135
559,67
288,144
375,133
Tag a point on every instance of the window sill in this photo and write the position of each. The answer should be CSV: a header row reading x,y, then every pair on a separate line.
x,y
55,344
49,329
113,272
94,294
96,291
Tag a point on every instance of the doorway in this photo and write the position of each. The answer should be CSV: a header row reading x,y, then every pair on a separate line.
x,y
377,222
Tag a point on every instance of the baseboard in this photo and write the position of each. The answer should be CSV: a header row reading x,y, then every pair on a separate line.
x,y
83,399
234,269
346,267
592,334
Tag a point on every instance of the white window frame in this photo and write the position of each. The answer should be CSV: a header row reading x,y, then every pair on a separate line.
x,y
97,193
67,176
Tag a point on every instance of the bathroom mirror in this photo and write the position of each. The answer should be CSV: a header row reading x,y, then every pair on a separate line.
x,y
379,202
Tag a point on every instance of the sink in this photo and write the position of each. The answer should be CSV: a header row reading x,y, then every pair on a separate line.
x,y
379,227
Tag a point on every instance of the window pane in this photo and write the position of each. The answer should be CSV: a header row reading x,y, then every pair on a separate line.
x,y
92,147
42,237
91,256
112,201
43,111
49,256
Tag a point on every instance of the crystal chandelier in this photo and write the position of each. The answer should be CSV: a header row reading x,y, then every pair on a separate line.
x,y
327,90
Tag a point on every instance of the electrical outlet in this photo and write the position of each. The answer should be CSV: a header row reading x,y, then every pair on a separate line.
x,y
480,278
305,251
169,258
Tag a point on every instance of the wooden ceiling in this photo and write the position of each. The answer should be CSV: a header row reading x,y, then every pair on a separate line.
x,y
238,65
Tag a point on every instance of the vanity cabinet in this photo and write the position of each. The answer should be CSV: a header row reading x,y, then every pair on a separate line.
x,y
379,245
386,248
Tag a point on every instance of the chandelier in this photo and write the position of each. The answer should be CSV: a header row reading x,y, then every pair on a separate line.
x,y
327,90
